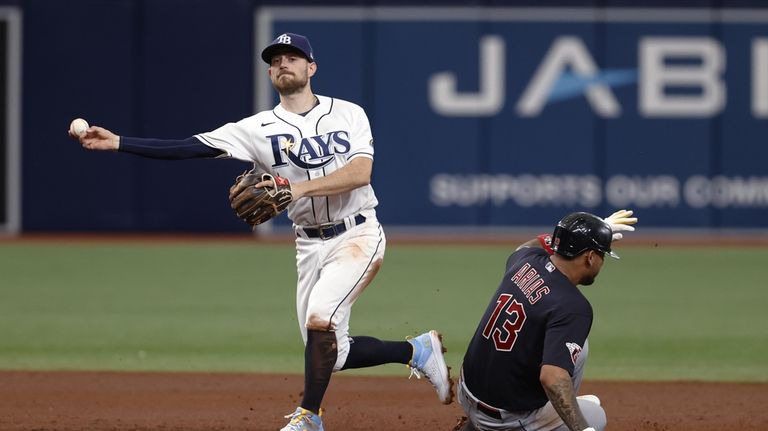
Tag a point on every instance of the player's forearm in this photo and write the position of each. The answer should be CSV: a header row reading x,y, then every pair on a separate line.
x,y
168,149
559,389
355,175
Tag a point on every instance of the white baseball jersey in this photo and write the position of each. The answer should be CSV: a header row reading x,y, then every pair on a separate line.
x,y
304,147
332,272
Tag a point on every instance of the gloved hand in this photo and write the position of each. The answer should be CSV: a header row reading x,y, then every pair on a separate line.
x,y
255,205
620,221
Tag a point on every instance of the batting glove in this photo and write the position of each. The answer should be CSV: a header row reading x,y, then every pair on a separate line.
x,y
620,221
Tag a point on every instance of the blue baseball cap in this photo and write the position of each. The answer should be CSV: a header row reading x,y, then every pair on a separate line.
x,y
292,40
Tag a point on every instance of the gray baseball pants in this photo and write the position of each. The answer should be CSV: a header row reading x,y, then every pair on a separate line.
x,y
482,417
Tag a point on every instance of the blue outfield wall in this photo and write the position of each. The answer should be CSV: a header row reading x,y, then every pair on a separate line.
x,y
482,115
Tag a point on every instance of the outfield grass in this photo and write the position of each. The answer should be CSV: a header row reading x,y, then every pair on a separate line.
x,y
660,312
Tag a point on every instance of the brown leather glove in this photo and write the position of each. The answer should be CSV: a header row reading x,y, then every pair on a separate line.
x,y
257,205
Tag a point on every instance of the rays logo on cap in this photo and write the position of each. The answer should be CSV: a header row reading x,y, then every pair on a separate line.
x,y
295,41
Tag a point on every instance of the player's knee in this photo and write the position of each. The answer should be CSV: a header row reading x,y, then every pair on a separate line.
x,y
318,323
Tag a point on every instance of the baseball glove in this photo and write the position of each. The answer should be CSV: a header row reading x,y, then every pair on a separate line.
x,y
257,205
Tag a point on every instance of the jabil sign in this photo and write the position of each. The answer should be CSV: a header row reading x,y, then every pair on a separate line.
x,y
569,70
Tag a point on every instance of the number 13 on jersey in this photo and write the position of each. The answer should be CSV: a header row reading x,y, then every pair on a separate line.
x,y
505,322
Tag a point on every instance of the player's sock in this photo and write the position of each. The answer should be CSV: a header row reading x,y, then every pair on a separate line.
x,y
369,352
319,359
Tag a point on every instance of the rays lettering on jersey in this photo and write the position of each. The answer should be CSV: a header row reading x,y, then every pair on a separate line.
x,y
310,153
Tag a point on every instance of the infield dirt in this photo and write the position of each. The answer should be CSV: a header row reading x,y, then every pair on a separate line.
x,y
112,401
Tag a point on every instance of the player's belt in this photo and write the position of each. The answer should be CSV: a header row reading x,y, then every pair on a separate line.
x,y
330,230
488,410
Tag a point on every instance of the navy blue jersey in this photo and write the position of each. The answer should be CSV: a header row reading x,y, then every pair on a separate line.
x,y
536,317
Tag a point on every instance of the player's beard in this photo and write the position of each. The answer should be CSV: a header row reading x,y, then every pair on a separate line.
x,y
588,279
288,83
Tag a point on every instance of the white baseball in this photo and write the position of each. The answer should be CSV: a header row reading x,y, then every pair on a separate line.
x,y
78,126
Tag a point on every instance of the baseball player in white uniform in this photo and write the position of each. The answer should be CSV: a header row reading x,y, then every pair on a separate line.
x,y
324,146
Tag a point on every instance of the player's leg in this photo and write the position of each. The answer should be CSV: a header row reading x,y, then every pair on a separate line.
x,y
365,351
424,353
578,367
592,411
349,264
589,404
320,356
309,255
547,418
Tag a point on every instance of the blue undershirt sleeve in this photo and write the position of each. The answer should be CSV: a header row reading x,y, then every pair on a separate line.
x,y
168,149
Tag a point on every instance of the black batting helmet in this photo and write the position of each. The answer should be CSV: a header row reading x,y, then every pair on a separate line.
x,y
579,232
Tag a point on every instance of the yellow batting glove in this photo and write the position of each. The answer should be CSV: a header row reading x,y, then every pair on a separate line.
x,y
621,221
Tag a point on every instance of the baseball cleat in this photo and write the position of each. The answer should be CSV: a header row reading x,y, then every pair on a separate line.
x,y
304,420
428,361
590,398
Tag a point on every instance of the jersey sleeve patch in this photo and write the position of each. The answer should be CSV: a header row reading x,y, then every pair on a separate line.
x,y
575,350
563,340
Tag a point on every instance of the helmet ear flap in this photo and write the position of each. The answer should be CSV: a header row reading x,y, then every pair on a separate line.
x,y
562,242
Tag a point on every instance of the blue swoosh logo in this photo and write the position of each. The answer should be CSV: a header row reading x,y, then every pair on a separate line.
x,y
570,85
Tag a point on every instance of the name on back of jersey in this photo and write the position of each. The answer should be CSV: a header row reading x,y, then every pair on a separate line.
x,y
530,283
311,152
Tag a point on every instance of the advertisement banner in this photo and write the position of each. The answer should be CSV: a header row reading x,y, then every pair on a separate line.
x,y
515,116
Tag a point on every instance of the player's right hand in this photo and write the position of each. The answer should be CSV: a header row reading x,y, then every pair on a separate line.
x,y
621,221
98,138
